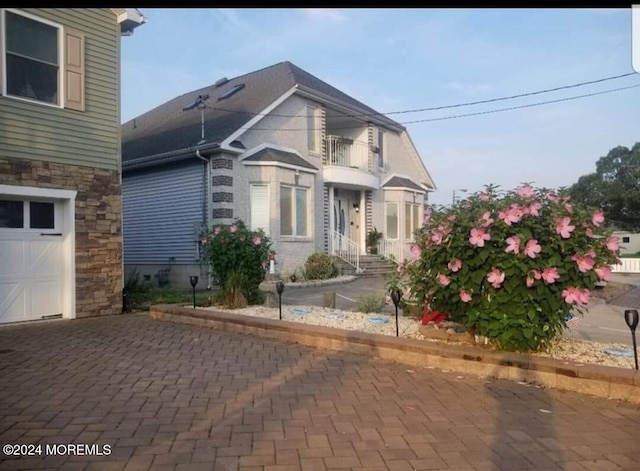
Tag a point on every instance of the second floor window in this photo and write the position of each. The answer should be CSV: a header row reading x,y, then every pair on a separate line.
x,y
32,59
313,128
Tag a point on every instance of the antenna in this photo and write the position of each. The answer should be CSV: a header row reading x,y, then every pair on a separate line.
x,y
199,103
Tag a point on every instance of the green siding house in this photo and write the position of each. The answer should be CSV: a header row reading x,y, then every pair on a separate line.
x,y
60,182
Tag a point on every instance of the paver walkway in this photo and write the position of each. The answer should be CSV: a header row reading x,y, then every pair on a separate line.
x,y
178,397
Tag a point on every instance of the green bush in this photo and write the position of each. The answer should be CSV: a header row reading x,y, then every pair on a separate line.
x,y
370,302
233,290
320,266
236,249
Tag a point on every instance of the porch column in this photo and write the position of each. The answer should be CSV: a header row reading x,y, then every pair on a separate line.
x,y
363,224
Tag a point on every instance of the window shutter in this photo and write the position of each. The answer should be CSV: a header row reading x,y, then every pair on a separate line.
x,y
260,208
73,70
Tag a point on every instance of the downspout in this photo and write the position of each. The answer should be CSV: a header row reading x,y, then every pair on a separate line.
x,y
205,200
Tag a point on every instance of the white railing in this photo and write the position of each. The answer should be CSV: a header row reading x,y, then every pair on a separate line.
x,y
627,265
345,248
344,152
394,250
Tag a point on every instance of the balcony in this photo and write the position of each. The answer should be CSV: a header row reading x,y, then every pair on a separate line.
x,y
347,164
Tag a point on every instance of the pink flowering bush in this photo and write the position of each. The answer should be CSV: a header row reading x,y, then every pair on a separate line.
x,y
511,266
234,252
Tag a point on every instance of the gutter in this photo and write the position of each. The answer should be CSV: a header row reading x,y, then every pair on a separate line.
x,y
168,157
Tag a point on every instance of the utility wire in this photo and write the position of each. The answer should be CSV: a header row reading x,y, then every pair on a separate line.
x,y
444,107
499,110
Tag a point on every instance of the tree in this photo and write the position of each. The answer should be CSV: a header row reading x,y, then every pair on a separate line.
x,y
615,187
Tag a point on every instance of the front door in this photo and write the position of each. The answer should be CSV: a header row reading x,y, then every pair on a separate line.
x,y
341,216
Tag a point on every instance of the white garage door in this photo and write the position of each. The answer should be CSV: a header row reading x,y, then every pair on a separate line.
x,y
31,260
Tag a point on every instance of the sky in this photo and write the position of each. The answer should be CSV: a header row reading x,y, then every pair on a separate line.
x,y
406,59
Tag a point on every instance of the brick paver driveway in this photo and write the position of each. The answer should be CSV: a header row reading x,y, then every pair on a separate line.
x,y
171,396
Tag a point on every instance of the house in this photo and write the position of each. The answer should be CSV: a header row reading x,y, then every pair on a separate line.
x,y
629,242
283,151
60,178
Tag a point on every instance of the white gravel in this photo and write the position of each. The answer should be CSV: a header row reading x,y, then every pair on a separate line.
x,y
563,349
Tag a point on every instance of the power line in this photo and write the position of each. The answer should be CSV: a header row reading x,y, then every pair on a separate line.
x,y
444,107
499,110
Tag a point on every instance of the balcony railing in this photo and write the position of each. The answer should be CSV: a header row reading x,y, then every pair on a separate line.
x,y
344,152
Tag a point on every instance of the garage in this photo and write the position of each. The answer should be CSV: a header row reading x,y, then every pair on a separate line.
x,y
36,255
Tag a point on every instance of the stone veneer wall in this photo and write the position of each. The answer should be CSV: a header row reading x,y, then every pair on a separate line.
x,y
98,226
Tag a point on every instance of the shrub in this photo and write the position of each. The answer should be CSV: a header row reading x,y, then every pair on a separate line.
x,y
135,289
320,266
233,290
370,302
236,249
511,266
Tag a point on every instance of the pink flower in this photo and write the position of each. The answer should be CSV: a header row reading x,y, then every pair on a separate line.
x,y
495,277
576,296
478,236
415,251
529,282
550,275
436,237
444,280
553,197
612,244
532,249
534,208
604,273
465,296
531,279
512,215
526,191
455,265
257,240
597,218
233,228
569,208
203,241
589,232
452,218
216,231
564,228
483,196
584,262
487,219
513,244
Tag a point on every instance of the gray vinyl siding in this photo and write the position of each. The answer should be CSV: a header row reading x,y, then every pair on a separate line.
x,y
87,138
161,210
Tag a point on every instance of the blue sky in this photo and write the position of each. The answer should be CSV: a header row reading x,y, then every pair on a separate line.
x,y
399,59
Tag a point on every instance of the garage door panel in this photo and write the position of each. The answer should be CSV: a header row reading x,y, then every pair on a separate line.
x,y
13,304
45,258
11,257
46,298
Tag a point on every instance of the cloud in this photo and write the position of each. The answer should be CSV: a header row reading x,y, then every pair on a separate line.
x,y
469,89
325,15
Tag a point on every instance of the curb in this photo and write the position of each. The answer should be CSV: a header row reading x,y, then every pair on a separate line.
x,y
602,381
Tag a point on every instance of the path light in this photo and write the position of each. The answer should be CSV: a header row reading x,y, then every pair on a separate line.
x,y
279,290
396,296
194,281
631,318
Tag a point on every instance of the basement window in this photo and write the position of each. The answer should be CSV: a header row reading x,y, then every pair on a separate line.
x,y
232,91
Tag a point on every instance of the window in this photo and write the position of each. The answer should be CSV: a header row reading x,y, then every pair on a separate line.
x,y
313,128
44,63
625,240
380,148
293,211
26,215
411,219
391,210
259,194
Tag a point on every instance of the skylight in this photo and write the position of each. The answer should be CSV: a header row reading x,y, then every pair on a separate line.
x,y
231,91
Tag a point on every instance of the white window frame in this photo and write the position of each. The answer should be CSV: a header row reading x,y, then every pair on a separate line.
x,y
61,57
315,110
267,230
386,220
294,225
413,224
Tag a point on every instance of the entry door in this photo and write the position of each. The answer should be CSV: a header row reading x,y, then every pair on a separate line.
x,y
31,260
341,216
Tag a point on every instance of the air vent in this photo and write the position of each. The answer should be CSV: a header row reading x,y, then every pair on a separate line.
x,y
231,91
220,82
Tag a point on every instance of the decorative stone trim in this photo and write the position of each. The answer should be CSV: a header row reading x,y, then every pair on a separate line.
x,y
222,163
222,180
222,213
222,197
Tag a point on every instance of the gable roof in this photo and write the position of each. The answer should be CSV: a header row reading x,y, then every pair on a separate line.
x,y
269,154
399,182
167,128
